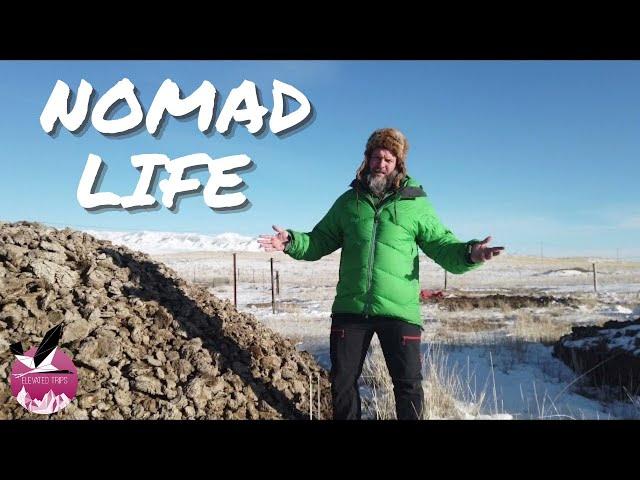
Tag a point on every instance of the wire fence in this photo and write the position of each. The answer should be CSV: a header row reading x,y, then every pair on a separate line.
x,y
542,249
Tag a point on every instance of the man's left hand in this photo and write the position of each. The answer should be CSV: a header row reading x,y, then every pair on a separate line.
x,y
481,252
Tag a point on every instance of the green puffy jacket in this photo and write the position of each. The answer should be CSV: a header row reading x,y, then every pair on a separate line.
x,y
380,240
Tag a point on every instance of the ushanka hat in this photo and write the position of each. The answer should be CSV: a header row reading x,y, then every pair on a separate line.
x,y
391,139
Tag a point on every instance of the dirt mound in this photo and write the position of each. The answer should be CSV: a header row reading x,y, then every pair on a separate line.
x,y
498,301
608,355
147,344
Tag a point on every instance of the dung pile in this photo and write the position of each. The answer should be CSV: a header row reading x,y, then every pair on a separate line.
x,y
455,303
147,344
608,355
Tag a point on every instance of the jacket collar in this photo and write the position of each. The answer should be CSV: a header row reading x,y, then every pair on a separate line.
x,y
409,188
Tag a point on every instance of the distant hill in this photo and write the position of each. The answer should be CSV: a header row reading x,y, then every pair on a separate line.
x,y
171,242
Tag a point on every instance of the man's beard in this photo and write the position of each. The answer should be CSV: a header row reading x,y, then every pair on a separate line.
x,y
379,184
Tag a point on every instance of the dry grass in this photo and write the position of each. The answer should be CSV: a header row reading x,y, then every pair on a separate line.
x,y
538,328
522,324
213,281
381,405
446,390
456,324
590,300
281,307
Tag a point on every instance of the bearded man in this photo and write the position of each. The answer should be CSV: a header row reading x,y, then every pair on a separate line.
x,y
380,223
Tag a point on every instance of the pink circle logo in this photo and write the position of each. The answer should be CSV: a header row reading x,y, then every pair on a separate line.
x,y
43,379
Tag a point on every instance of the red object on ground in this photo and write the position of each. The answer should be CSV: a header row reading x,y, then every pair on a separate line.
x,y
431,294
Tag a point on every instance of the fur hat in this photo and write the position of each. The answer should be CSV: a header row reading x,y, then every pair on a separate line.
x,y
394,141
391,139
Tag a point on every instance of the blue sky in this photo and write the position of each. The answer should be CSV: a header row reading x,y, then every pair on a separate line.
x,y
530,152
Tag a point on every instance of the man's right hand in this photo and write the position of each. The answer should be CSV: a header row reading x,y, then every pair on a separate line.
x,y
278,242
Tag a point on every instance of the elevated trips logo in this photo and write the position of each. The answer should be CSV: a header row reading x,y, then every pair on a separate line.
x,y
43,379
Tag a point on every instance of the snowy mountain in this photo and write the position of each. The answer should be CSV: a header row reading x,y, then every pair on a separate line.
x,y
168,242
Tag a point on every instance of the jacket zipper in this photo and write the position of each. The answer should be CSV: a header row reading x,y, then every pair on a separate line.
x,y
372,252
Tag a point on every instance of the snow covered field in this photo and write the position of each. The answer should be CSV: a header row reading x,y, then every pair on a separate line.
x,y
496,361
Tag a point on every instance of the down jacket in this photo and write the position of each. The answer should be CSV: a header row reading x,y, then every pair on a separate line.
x,y
379,269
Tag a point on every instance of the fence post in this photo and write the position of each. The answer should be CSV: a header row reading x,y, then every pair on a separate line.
x,y
273,297
310,397
278,283
235,290
445,280
595,285
318,409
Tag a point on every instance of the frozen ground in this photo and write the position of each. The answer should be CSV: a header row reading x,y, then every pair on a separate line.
x,y
503,355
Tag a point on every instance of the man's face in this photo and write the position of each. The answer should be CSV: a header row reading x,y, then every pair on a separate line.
x,y
381,162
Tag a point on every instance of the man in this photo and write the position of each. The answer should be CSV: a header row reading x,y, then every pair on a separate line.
x,y
380,223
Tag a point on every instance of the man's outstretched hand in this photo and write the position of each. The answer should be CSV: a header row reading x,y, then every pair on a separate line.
x,y
481,252
272,243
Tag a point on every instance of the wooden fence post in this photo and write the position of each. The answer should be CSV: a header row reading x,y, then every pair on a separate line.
x,y
235,290
273,297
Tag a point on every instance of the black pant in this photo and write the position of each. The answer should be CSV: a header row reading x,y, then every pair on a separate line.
x,y
400,342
